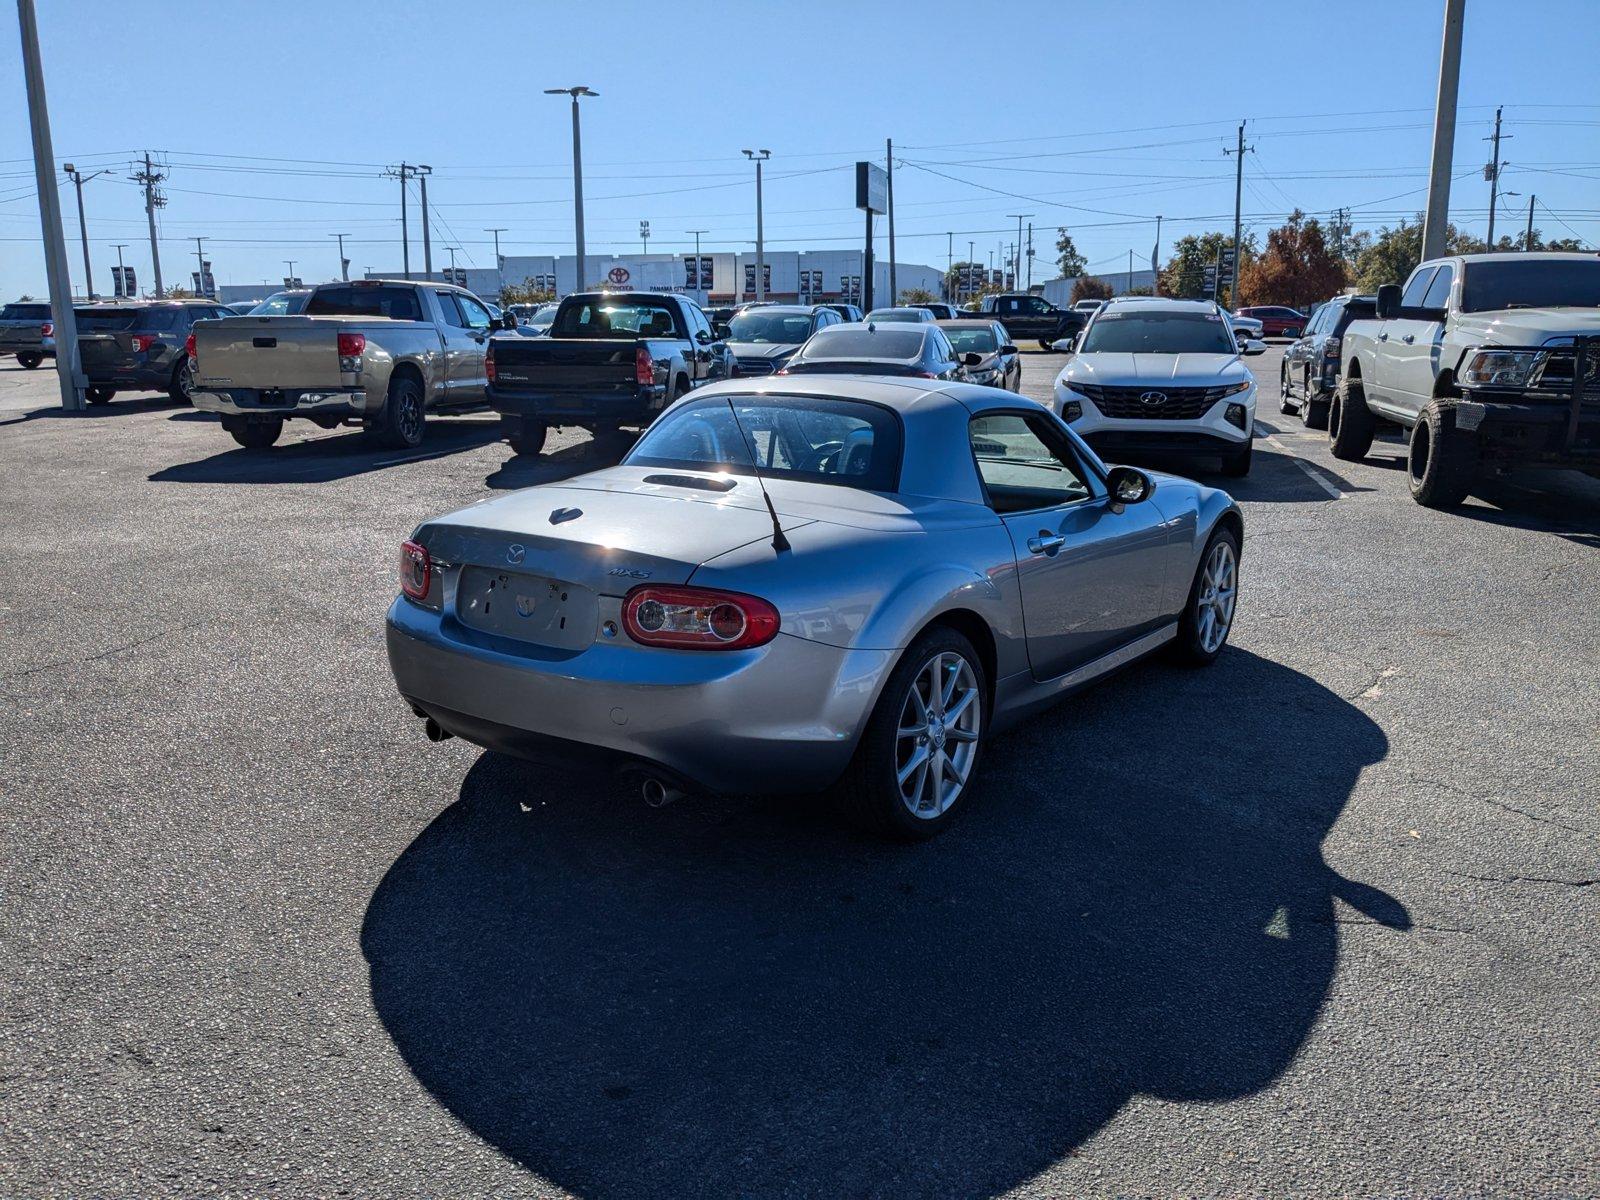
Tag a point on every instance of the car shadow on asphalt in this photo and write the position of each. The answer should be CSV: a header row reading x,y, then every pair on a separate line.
x,y
96,412
322,459
744,994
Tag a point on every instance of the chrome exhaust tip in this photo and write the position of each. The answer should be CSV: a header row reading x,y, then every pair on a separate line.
x,y
658,794
436,732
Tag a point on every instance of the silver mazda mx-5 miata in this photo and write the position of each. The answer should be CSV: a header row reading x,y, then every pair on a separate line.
x,y
798,584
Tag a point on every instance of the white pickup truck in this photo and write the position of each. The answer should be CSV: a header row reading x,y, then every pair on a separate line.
x,y
1490,361
379,353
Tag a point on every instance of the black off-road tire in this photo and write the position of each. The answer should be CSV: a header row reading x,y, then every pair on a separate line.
x,y
1351,425
1441,460
1315,413
181,382
1187,649
30,361
401,424
99,395
1236,463
526,436
868,794
254,433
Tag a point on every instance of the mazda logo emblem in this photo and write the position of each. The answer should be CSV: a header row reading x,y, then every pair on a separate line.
x,y
1152,398
514,554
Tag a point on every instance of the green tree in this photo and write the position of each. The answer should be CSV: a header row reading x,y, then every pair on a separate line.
x,y
1067,257
178,292
1296,268
1393,254
1089,288
915,296
524,293
1184,275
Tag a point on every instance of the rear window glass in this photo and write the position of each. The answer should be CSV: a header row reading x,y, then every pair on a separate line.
x,y
844,442
770,327
111,320
972,341
280,304
25,312
399,304
601,318
857,341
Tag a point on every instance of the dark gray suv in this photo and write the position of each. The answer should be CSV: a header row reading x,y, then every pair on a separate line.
x,y
139,347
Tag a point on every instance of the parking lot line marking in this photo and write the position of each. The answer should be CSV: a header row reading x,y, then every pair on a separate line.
x,y
1314,473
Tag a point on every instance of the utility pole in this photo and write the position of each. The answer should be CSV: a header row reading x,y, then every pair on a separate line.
x,y
1527,241
758,157
200,261
1130,268
577,173
1030,256
119,247
344,263
1238,199
79,179
1444,132
427,245
894,288
499,267
1016,256
68,373
153,200
403,172
1493,172
1155,261
452,250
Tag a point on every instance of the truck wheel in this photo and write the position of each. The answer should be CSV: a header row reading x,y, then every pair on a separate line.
x,y
526,436
400,425
1286,402
181,384
918,757
254,433
1236,464
1441,461
99,395
1351,425
30,361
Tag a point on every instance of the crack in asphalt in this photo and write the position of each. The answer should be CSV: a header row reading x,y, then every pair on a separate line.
x,y
88,658
1574,883
1511,808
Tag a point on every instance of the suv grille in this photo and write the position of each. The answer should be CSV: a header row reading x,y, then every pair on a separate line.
x,y
755,366
1128,403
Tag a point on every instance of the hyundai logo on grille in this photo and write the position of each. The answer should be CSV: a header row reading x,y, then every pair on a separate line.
x,y
1152,398
514,553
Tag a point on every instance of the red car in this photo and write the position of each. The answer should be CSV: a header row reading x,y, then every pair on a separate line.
x,y
1276,321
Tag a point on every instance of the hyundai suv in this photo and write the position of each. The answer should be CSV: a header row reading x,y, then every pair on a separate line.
x,y
1161,377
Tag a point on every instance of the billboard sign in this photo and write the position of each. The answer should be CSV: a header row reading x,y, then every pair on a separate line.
x,y
872,187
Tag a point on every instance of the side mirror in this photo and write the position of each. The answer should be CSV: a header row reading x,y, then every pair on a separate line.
x,y
723,332
1388,301
971,358
507,321
1128,485
703,337
1254,346
1008,348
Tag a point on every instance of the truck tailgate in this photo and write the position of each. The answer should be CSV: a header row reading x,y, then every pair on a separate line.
x,y
564,365
268,352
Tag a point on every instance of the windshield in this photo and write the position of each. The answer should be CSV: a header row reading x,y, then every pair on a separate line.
x,y
1158,333
25,312
973,341
857,341
764,325
606,318
397,303
278,304
1492,286
843,442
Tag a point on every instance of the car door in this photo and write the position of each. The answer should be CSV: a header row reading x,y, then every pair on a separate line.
x,y
1414,343
469,370
1090,571
1384,386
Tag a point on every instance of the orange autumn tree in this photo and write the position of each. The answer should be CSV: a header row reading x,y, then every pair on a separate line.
x,y
1296,268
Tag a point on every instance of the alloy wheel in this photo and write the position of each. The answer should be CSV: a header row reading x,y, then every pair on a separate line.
x,y
1219,586
409,418
937,740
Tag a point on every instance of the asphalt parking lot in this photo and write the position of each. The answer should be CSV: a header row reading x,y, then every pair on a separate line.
x,y
1320,920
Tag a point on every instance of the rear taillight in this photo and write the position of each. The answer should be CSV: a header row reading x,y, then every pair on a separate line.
x,y
1330,348
488,363
144,342
351,345
695,618
644,367
416,570
188,345
47,330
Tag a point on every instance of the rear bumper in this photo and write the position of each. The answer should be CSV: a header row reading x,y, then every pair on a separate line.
x,y
781,718
47,348
129,375
284,402
557,408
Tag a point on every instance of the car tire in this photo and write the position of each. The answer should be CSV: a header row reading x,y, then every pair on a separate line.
x,y
871,793
254,433
526,436
30,361
1215,590
99,395
1441,460
1048,343
1351,425
181,384
610,441
1236,463
401,424
1286,402
1315,413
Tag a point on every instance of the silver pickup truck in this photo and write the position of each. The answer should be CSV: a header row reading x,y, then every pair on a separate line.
x,y
375,353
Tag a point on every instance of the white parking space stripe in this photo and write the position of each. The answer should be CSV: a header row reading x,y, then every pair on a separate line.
x,y
1316,475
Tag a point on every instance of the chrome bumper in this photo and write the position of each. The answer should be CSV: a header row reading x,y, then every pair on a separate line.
x,y
781,718
247,402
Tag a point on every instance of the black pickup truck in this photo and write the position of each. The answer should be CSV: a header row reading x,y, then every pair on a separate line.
x,y
611,359
1032,318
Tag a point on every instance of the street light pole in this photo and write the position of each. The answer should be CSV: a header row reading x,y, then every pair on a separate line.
x,y
452,250
427,245
499,267
1444,132
344,263
577,172
1016,258
1527,241
289,262
78,180
758,157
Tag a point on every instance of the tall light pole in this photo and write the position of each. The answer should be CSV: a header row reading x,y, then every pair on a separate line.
x,y
1016,258
344,263
153,199
119,247
68,373
1493,172
1527,241
289,262
452,250
1238,200
78,180
888,162
499,267
423,171
577,173
949,265
758,157
1444,131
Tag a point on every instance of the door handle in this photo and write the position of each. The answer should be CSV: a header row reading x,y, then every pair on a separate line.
x,y
1046,543
1409,338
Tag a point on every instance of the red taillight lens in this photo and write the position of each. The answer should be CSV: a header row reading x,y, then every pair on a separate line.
x,y
351,345
693,618
488,363
142,342
644,367
48,329
188,346
416,570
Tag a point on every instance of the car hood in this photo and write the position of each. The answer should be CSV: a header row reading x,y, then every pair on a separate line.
x,y
763,349
1529,326
1131,370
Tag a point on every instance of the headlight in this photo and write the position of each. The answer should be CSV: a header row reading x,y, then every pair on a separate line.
x,y
984,376
1233,389
1501,368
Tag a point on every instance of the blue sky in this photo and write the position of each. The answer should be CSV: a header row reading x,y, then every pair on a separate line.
x,y
1097,115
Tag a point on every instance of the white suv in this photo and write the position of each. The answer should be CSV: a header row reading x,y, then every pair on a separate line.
x,y
1156,376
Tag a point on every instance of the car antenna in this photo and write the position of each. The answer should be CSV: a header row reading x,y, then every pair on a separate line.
x,y
779,542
